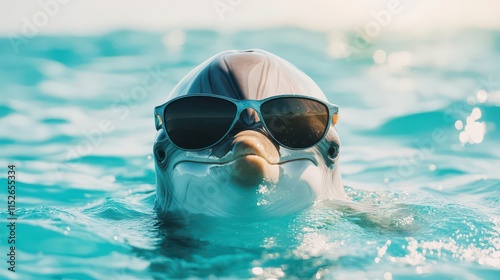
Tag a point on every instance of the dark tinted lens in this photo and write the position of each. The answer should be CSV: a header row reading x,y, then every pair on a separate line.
x,y
198,122
295,122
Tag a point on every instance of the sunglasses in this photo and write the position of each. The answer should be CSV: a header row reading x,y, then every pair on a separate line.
x,y
194,122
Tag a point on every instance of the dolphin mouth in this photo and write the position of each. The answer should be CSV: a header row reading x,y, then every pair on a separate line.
x,y
229,159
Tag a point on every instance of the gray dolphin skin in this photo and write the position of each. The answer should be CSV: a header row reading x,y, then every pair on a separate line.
x,y
247,174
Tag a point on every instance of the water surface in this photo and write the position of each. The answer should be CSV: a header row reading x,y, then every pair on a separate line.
x,y
419,131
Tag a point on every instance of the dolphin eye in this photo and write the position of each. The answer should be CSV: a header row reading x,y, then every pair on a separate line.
x,y
333,151
160,155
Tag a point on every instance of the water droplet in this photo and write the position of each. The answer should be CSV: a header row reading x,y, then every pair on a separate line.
x,y
379,56
463,137
476,114
257,270
174,40
471,100
482,96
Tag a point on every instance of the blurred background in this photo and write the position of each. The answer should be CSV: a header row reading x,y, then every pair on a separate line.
x,y
90,17
417,82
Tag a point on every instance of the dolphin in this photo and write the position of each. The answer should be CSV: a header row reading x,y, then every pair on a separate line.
x,y
246,174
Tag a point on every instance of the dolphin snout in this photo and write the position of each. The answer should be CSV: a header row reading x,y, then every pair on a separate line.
x,y
256,159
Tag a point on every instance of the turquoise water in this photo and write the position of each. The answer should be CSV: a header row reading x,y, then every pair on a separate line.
x,y
420,156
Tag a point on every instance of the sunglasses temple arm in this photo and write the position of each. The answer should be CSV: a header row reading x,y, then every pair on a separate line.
x,y
335,113
158,120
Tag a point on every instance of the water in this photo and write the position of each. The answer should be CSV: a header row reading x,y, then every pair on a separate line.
x,y
420,134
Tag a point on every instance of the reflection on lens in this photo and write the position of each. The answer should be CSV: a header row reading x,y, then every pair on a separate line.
x,y
199,121
295,122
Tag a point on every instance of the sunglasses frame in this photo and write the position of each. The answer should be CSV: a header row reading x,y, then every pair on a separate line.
x,y
242,105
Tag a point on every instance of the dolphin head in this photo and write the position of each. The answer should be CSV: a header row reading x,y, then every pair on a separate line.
x,y
247,174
